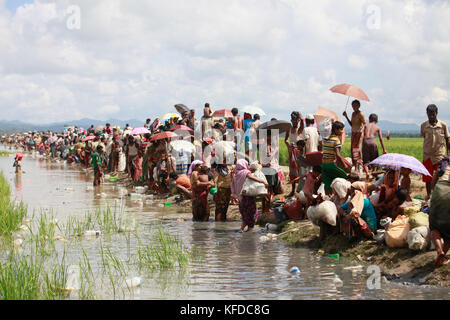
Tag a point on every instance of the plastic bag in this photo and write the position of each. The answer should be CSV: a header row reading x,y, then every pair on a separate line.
x,y
326,212
419,238
325,128
418,219
397,233
252,188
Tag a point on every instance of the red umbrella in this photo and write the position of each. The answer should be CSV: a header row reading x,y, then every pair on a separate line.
x,y
350,91
88,138
181,127
224,113
163,135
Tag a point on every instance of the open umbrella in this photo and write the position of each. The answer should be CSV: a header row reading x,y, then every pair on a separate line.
x,y
281,125
169,116
182,146
140,130
181,127
224,113
163,135
323,113
350,91
253,110
181,108
99,128
397,161
88,138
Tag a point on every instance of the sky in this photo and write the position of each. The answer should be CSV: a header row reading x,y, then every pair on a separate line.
x,y
133,59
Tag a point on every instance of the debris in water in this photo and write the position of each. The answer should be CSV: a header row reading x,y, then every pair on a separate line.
x,y
92,233
337,281
294,270
134,282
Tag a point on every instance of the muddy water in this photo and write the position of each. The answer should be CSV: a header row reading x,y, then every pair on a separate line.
x,y
234,266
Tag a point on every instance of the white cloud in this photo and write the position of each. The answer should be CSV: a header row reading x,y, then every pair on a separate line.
x,y
357,62
136,59
107,110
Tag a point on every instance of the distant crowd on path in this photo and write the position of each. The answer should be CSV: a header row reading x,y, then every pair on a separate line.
x,y
315,161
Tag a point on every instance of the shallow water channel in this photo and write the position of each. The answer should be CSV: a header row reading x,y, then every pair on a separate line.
x,y
234,265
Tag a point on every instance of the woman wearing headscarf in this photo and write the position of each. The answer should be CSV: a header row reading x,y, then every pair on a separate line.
x,y
440,211
247,204
358,217
223,178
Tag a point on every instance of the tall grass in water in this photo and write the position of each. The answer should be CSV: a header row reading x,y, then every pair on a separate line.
x,y
11,214
164,252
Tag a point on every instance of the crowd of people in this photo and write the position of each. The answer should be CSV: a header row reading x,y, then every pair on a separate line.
x,y
318,171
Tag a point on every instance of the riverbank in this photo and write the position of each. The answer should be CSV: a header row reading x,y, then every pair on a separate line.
x,y
400,265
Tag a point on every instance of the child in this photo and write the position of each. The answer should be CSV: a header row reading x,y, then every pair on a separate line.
x,y
392,207
97,165
18,163
405,182
357,123
137,163
247,204
312,182
369,146
331,154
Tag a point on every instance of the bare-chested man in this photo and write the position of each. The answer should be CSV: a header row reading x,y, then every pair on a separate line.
x,y
369,145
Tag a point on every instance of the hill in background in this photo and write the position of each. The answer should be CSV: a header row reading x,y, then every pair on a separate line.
x,y
18,126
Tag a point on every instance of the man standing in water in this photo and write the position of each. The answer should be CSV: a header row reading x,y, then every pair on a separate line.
x,y
435,143
97,165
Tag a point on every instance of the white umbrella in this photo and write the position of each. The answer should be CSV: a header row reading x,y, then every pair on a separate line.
x,y
253,110
182,146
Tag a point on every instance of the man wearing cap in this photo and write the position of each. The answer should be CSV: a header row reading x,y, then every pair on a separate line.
x,y
311,135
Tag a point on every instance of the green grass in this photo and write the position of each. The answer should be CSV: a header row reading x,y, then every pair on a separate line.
x,y
5,153
11,214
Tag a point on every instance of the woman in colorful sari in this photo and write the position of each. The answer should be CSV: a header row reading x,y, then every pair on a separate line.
x,y
247,204
357,216
223,177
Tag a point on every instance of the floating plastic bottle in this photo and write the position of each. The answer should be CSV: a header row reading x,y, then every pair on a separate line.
x,y
168,204
334,256
271,227
92,233
294,270
134,282
337,281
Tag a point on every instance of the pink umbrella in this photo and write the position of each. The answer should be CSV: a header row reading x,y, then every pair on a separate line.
x,y
140,130
323,113
163,135
88,138
181,127
350,91
225,113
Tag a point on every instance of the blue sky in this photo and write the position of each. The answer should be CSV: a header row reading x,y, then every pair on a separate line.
x,y
137,59
12,5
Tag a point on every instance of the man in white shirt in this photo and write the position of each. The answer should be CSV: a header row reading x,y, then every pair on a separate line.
x,y
311,135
